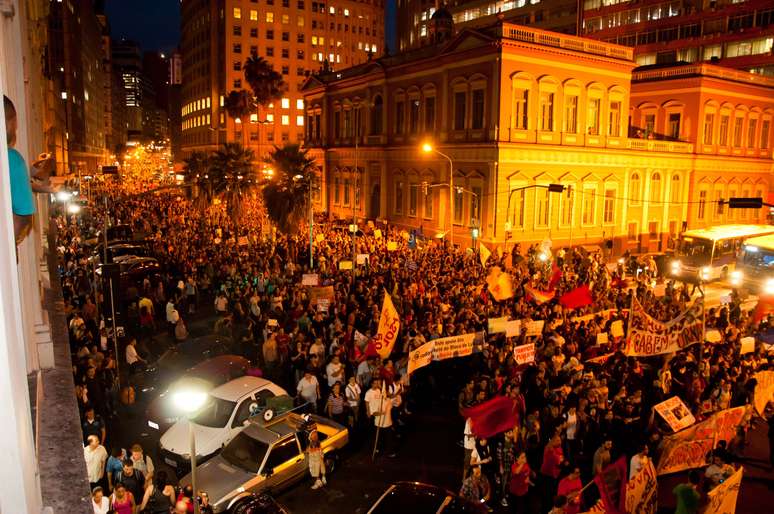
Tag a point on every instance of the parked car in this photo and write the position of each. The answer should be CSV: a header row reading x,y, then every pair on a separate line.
x,y
226,413
161,414
419,498
266,456
259,504
178,358
119,249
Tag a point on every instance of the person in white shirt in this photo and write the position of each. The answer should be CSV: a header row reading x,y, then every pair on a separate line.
x,y
379,406
96,457
335,371
638,461
99,502
469,443
133,358
353,393
309,389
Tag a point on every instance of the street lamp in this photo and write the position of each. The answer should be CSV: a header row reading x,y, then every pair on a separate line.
x,y
189,398
311,218
428,148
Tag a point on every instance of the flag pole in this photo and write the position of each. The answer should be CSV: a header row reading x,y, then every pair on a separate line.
x,y
378,426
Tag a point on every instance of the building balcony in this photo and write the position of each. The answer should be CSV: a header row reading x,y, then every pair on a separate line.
x,y
650,145
557,40
704,70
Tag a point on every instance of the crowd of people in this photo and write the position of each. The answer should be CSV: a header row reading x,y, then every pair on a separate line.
x,y
580,404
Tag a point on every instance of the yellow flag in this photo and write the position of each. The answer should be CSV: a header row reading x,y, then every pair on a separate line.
x,y
484,254
499,283
389,325
722,499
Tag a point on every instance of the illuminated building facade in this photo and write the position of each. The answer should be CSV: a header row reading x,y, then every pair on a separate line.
x,y
733,33
295,36
517,109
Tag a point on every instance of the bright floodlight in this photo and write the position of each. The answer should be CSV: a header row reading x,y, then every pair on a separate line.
x,y
63,196
543,256
427,148
189,401
298,177
73,208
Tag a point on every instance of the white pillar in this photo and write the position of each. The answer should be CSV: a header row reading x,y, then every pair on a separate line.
x,y
19,480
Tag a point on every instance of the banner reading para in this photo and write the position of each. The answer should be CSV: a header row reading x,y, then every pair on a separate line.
x,y
453,346
389,325
642,491
649,336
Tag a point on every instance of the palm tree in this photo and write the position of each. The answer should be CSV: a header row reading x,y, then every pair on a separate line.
x,y
267,85
286,199
196,175
233,175
239,105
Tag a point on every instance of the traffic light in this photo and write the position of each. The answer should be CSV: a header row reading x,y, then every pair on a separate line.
x,y
745,203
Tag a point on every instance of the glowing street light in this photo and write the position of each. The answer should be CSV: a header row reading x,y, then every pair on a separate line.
x,y
63,196
428,148
73,208
189,397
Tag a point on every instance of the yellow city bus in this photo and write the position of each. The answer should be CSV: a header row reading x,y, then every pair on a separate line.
x,y
755,265
710,253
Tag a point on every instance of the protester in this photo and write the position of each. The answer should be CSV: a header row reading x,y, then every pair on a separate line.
x,y
96,457
99,502
687,494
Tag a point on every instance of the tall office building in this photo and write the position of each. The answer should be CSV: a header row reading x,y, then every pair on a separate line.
x,y
413,21
295,36
733,33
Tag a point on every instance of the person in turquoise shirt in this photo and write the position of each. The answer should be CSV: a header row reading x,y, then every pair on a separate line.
x,y
22,201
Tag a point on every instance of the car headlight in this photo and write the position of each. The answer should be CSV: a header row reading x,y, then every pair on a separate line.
x,y
768,286
153,425
736,278
705,273
675,266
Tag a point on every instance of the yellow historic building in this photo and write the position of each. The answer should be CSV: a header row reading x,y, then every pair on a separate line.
x,y
642,153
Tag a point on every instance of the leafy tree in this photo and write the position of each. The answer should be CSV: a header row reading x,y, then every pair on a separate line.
x,y
287,197
267,84
233,175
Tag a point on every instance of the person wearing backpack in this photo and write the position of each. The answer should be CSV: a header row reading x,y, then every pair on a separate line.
x,y
159,495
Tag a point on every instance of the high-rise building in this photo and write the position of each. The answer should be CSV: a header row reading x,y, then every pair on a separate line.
x,y
733,33
139,91
77,69
413,21
295,36
175,102
175,73
116,125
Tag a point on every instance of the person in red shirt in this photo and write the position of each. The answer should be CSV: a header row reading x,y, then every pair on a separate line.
x,y
519,484
553,457
570,486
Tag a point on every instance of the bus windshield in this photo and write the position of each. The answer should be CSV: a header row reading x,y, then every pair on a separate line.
x,y
695,251
761,259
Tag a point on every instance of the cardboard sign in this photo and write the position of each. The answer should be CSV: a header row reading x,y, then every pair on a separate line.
x,y
310,279
242,241
675,413
764,391
392,246
362,258
323,305
524,354
748,345
319,238
602,338
513,328
345,265
535,328
497,325
272,323
616,328
316,294
712,336
378,233
454,346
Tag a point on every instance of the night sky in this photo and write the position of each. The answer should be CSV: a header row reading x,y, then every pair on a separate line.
x,y
155,24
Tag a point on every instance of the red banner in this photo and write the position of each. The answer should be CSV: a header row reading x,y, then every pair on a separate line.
x,y
577,298
612,486
493,416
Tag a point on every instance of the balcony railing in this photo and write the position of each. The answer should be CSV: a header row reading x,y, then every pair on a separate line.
x,y
706,70
657,146
557,40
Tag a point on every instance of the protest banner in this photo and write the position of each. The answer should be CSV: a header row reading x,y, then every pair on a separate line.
x,y
323,305
320,238
722,499
484,254
420,357
616,328
675,413
513,328
642,491
389,325
316,294
310,279
362,258
453,346
524,354
597,508
392,246
712,336
345,265
243,241
378,233
602,338
499,283
496,325
748,345
764,390
535,328
601,360
611,483
649,336
689,448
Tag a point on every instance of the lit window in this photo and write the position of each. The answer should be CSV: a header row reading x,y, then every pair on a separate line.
x,y
237,13
64,95
332,10
331,57
300,121
253,15
285,119
346,12
300,21
270,118
314,40
253,118
286,103
285,19
86,95
270,17
373,49
299,104
271,105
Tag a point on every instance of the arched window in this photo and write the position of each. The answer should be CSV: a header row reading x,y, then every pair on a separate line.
x,y
377,116
676,193
655,188
634,188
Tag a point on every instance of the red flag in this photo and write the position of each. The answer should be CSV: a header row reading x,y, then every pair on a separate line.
x,y
555,277
493,416
612,487
578,297
764,307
